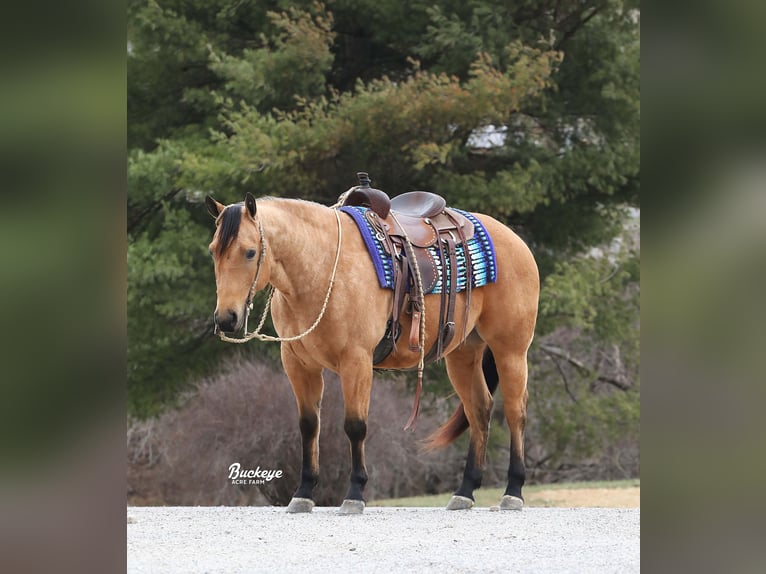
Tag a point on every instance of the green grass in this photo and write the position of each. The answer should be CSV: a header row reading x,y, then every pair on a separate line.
x,y
491,496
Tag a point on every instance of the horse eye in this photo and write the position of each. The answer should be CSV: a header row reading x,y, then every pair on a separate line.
x,y
250,253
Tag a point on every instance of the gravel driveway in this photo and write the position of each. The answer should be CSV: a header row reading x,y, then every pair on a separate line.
x,y
229,540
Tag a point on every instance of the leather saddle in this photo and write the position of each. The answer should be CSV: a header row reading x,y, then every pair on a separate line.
x,y
409,225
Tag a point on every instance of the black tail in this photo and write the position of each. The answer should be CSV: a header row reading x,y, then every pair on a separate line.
x,y
458,423
489,368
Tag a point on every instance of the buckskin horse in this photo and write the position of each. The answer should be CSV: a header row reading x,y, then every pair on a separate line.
x,y
330,312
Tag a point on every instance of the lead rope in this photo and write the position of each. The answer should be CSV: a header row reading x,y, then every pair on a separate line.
x,y
419,389
263,337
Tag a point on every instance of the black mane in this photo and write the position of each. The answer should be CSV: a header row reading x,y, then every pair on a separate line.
x,y
229,228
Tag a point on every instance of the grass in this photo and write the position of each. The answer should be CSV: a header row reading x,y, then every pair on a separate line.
x,y
534,495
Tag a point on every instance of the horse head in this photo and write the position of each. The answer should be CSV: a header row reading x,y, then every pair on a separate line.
x,y
238,255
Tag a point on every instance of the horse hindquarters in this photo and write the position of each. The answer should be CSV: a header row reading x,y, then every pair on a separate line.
x,y
507,324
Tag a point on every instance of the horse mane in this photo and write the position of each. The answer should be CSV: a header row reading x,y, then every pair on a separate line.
x,y
230,218
229,228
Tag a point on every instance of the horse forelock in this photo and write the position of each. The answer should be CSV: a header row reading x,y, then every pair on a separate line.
x,y
228,229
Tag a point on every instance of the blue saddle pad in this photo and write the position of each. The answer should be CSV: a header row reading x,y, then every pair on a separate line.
x,y
480,247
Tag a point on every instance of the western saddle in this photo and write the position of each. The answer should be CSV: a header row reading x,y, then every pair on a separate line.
x,y
408,225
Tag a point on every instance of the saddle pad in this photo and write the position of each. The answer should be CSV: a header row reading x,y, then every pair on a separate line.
x,y
480,246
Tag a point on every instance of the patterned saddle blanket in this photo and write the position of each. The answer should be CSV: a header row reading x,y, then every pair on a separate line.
x,y
481,250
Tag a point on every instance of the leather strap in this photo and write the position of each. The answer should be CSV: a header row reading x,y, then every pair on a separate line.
x,y
442,306
446,330
411,422
387,344
449,326
396,272
416,300
468,274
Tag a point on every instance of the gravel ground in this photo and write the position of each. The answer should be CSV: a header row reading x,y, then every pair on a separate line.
x,y
229,540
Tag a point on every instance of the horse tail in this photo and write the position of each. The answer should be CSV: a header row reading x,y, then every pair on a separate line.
x,y
458,423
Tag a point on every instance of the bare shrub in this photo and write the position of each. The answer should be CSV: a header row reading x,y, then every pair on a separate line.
x,y
142,443
248,415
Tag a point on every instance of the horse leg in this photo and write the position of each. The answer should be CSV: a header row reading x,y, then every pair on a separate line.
x,y
307,386
512,372
464,367
356,382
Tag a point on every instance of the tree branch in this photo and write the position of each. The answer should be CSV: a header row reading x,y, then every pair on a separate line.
x,y
135,220
552,357
611,274
539,463
579,24
559,352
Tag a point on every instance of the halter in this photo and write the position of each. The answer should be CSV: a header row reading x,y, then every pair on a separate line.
x,y
261,257
249,302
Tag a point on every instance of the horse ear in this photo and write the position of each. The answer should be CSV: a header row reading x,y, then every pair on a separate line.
x,y
213,207
250,204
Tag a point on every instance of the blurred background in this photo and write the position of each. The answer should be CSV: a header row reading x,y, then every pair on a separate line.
x,y
526,111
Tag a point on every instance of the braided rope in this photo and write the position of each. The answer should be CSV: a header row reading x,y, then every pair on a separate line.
x,y
419,279
263,337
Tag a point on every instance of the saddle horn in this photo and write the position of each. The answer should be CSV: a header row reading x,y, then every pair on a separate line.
x,y
364,178
369,197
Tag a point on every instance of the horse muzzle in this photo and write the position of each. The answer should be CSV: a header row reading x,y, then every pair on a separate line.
x,y
227,321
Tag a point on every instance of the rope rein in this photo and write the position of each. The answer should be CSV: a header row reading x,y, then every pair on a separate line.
x,y
410,425
263,337
419,279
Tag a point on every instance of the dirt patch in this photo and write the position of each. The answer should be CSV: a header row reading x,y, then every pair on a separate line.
x,y
587,497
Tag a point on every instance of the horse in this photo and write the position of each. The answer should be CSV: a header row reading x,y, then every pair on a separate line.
x,y
330,313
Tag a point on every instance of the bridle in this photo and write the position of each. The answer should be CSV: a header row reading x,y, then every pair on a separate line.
x,y
261,257
249,301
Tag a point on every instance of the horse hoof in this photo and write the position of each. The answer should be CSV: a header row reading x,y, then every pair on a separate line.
x,y
459,503
509,502
351,507
300,505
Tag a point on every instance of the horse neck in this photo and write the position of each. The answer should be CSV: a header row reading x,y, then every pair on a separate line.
x,y
301,239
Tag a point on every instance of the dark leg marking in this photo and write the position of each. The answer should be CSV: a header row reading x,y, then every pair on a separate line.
x,y
471,476
356,430
309,425
516,471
